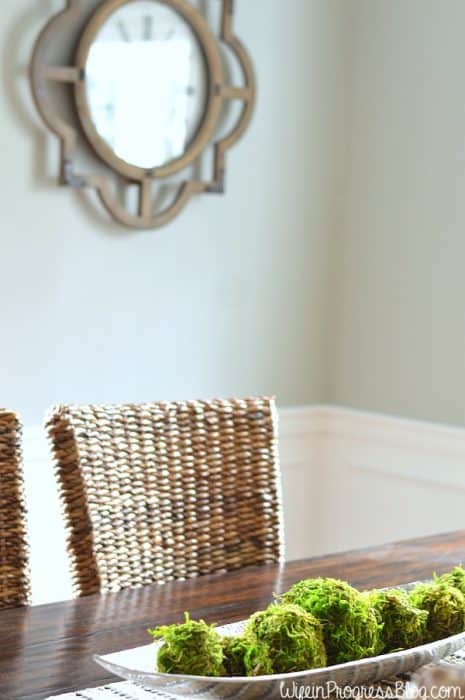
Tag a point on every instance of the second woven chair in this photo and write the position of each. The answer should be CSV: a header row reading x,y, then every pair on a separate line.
x,y
14,553
165,491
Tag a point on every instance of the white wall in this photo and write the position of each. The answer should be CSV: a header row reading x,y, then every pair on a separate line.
x,y
228,299
398,282
331,270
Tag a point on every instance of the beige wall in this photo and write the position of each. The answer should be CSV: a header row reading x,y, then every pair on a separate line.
x,y
227,300
330,272
398,285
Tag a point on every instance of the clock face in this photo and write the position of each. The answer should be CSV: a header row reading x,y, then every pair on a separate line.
x,y
146,81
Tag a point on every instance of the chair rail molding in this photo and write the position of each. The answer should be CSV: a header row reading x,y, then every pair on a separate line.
x,y
350,479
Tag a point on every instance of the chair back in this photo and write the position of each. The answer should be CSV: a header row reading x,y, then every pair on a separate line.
x,y
14,561
163,491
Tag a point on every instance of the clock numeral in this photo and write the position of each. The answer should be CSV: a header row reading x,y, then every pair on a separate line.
x,y
123,31
148,27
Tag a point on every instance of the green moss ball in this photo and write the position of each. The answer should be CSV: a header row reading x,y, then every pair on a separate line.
x,y
246,656
293,638
455,578
351,626
404,625
446,609
191,648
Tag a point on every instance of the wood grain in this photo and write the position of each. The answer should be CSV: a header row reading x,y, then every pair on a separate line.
x,y
47,650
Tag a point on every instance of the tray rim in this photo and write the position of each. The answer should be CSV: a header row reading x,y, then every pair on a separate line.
x,y
174,678
278,676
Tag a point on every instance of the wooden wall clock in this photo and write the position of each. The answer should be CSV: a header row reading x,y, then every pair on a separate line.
x,y
139,94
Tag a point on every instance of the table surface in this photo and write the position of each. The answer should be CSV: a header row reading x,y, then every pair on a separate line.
x,y
47,650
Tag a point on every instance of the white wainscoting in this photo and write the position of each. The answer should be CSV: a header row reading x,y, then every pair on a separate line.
x,y
387,479
350,479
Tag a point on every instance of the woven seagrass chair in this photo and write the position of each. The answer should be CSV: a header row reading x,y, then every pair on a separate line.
x,y
164,491
14,563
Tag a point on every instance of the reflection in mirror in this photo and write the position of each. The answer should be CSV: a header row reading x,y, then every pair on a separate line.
x,y
147,83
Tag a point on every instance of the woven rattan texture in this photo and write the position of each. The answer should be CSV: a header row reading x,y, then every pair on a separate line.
x,y
14,570
165,491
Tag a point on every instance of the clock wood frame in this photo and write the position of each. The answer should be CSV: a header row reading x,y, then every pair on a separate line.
x,y
43,74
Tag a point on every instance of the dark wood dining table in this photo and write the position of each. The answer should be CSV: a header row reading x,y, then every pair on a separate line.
x,y
47,650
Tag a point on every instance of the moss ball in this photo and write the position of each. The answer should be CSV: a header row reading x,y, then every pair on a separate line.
x,y
293,638
191,648
246,656
404,625
455,578
445,605
351,626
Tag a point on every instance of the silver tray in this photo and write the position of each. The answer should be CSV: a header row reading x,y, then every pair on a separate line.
x,y
137,665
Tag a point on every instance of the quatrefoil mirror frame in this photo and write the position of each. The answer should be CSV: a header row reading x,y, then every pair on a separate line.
x,y
82,24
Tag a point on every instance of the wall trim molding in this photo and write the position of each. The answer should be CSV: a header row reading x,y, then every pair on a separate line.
x,y
411,433
369,478
334,421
